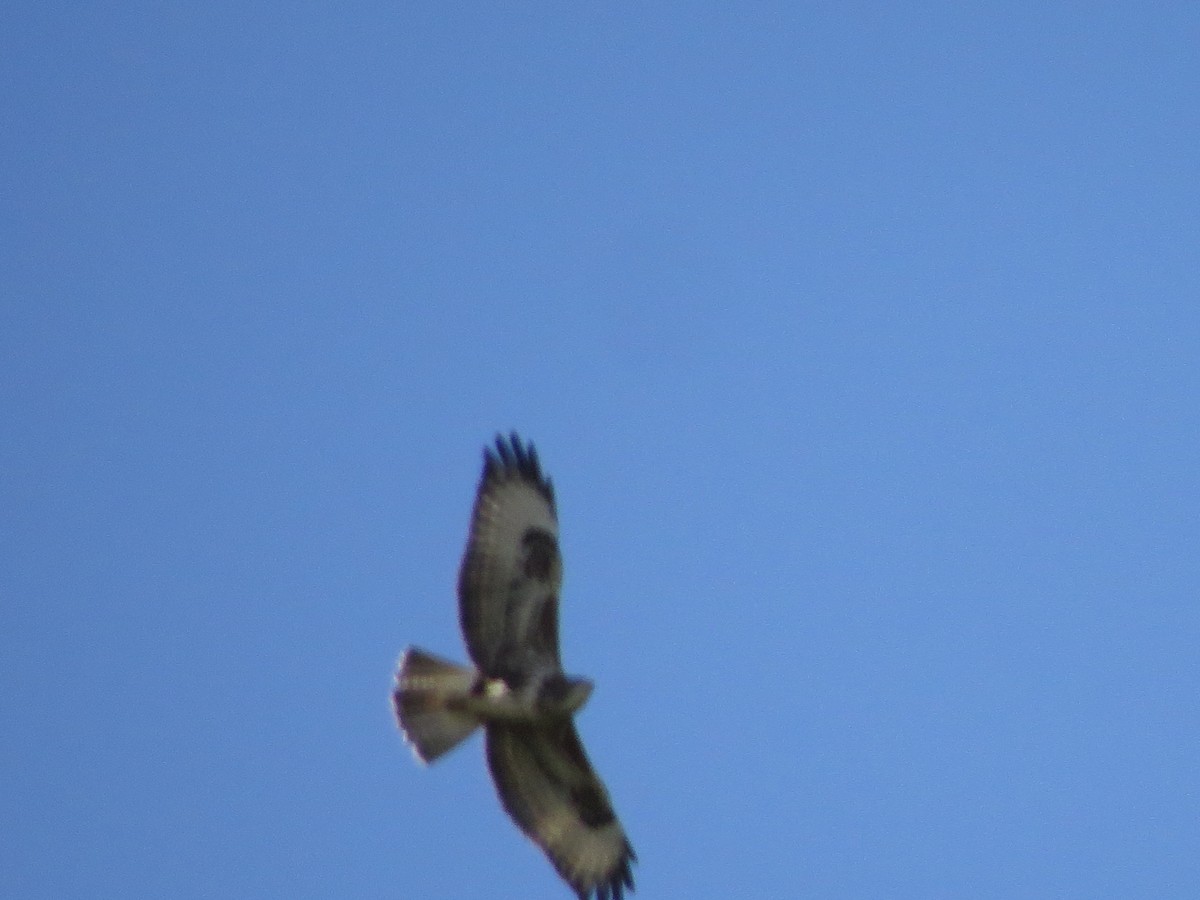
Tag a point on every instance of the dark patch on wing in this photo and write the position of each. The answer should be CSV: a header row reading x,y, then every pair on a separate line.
x,y
593,805
593,808
540,554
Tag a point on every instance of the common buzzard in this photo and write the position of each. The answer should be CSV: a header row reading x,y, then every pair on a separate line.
x,y
508,594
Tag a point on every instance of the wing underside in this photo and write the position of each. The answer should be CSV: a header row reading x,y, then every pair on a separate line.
x,y
550,790
511,571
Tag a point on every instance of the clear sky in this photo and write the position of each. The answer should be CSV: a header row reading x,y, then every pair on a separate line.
x,y
862,342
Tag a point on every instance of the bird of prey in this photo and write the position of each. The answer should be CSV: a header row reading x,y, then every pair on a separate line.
x,y
508,596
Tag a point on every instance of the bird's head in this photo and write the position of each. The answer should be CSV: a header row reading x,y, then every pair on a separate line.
x,y
563,695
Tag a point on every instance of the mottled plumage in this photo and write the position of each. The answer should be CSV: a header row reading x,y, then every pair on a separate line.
x,y
508,594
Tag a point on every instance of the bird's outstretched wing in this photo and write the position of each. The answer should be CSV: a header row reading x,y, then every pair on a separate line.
x,y
549,789
508,586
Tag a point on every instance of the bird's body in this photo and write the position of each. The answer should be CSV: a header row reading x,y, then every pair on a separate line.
x,y
508,589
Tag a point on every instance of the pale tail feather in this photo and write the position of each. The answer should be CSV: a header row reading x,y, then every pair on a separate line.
x,y
426,688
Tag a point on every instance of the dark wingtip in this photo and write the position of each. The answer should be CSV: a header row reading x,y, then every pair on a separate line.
x,y
614,888
512,457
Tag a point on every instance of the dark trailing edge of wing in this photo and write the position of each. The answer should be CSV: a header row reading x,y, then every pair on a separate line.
x,y
510,458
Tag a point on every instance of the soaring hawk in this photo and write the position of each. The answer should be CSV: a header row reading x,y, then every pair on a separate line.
x,y
508,595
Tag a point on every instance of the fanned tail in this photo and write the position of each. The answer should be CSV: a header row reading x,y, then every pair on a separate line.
x,y
424,701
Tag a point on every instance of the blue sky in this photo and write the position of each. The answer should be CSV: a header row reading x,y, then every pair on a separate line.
x,y
860,341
